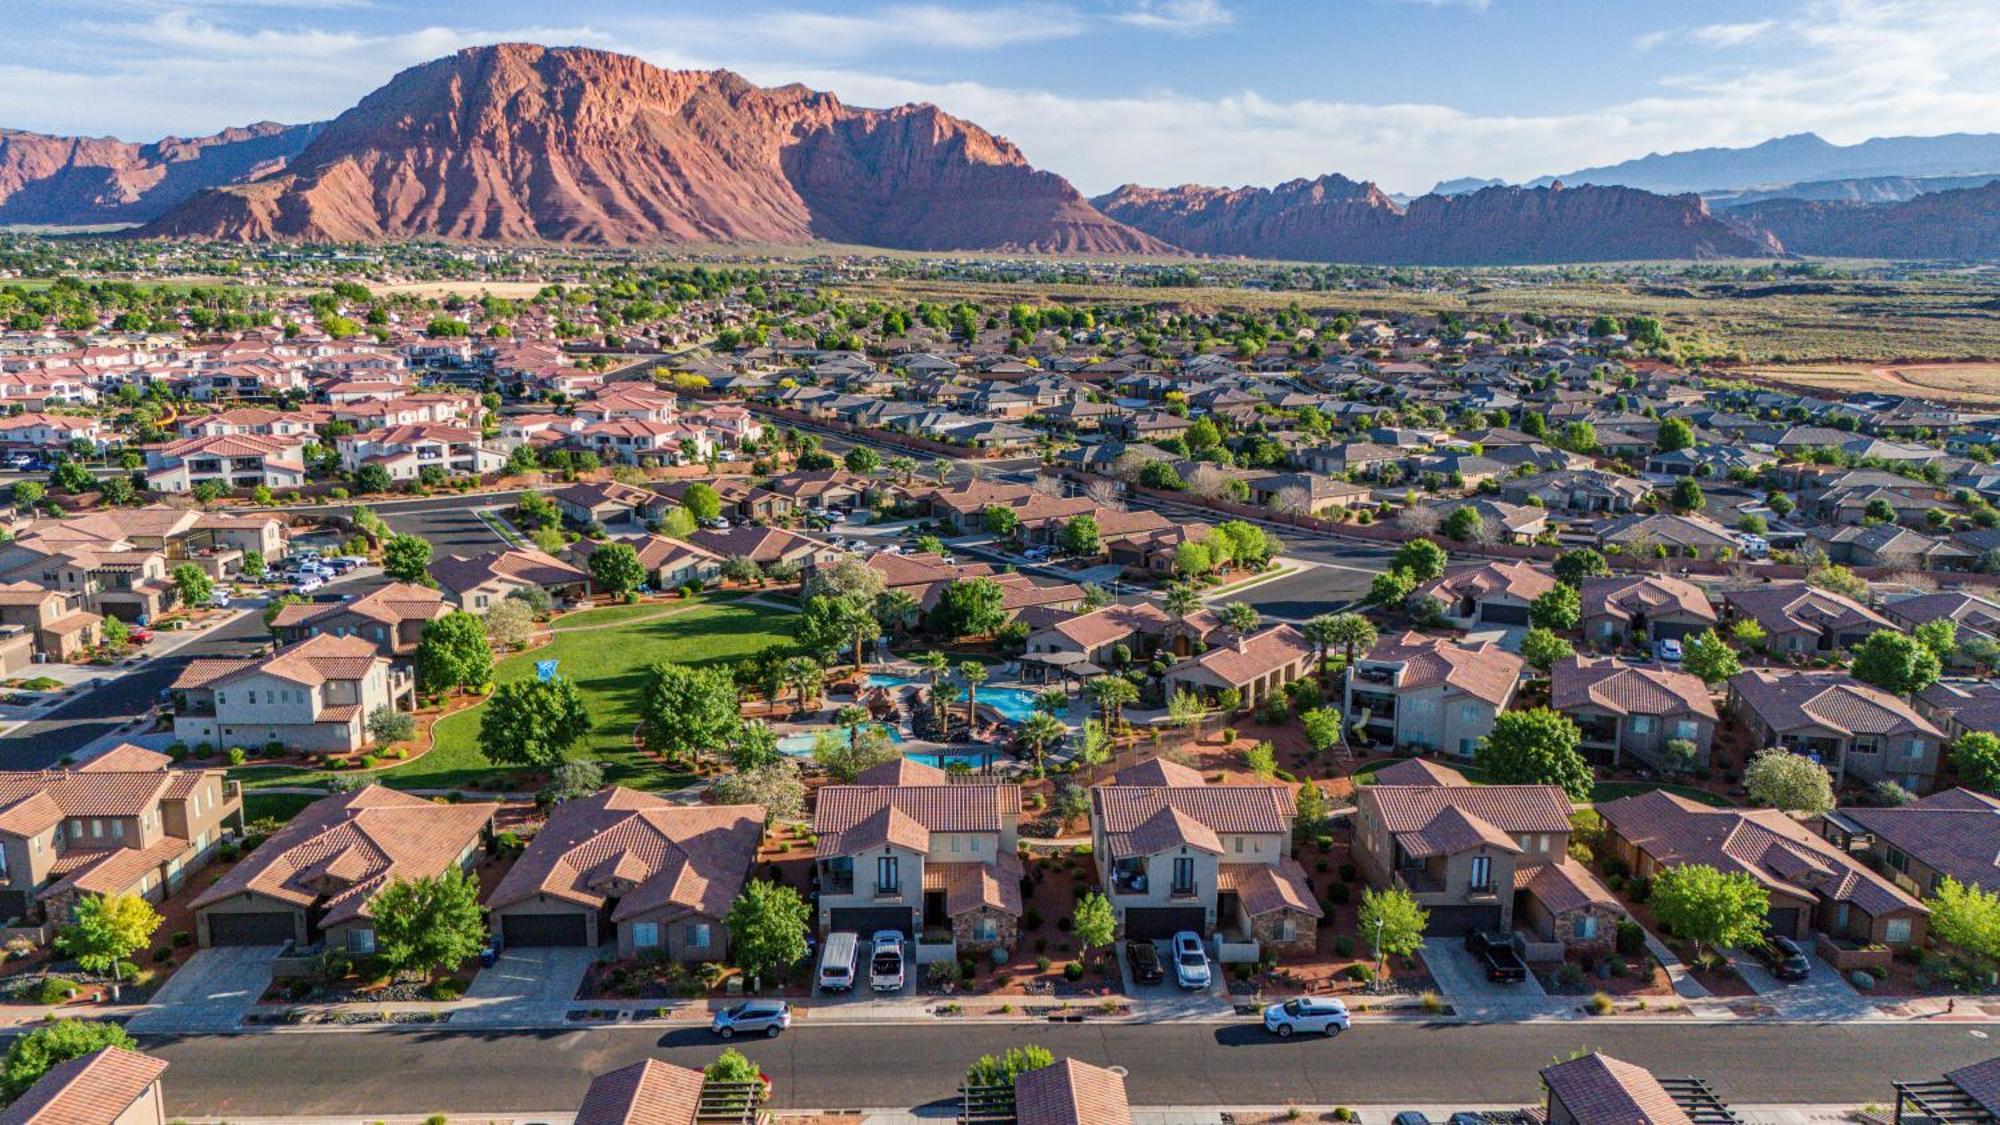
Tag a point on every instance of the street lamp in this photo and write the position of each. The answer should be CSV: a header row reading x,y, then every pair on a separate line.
x,y
1379,964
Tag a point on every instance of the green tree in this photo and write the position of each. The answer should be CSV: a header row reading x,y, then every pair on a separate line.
x,y
1180,600
1976,757
510,623
72,477
1311,812
1687,496
1080,537
687,713
969,607
1093,923
1111,695
1003,1070
1353,632
1940,636
28,493
532,722
1536,747
57,1041
1896,662
1463,524
1241,616
430,923
386,724
1709,657
1542,648
1713,910
774,787
1675,434
702,502
616,569
845,759
193,584
1040,731
407,558
1000,520
1560,609
1966,917
106,930
1322,728
767,929
862,459
1391,588
1390,921
755,745
1579,437
1421,559
454,653
373,477
1788,782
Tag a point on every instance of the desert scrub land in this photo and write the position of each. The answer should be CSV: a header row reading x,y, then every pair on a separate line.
x,y
1972,383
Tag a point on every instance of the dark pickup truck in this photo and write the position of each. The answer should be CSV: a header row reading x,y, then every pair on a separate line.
x,y
1497,953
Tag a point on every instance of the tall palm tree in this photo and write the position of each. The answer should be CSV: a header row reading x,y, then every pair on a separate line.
x,y
1354,632
935,668
1111,694
857,620
1241,616
851,719
941,470
1180,600
1040,731
897,611
1320,632
974,674
904,467
806,677
1053,701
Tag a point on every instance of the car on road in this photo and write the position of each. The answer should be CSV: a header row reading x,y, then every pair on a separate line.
x,y
1667,650
752,1017
1783,957
885,967
1494,949
1190,961
308,585
1145,962
1322,1014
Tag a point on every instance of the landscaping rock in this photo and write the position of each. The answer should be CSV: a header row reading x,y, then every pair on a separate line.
x,y
1862,980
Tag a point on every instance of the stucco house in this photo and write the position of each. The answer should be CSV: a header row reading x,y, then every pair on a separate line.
x,y
1855,729
1498,593
1429,692
1626,709
1624,608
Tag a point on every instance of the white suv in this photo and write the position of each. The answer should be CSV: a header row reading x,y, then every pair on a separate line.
x,y
1190,961
1323,1014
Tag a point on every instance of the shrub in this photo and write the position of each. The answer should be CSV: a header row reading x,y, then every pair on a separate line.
x,y
1032,919
1343,946
1073,971
1347,871
162,955
180,939
1432,1002
1042,964
1631,937
1228,736
1339,894
447,988
54,990
1362,972
237,756
1639,889
1601,1005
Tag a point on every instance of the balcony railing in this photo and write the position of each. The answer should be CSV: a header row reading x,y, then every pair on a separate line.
x,y
888,890
1189,890
1418,881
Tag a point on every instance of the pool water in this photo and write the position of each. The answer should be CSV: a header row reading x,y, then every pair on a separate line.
x,y
1014,704
801,745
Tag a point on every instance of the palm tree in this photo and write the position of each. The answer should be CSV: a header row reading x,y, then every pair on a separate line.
x,y
904,467
1053,702
1354,632
941,472
935,667
1241,616
857,619
851,719
805,676
1320,632
897,611
974,674
1111,693
1180,600
1040,731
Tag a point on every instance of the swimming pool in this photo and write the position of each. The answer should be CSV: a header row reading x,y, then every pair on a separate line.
x,y
800,745
1014,704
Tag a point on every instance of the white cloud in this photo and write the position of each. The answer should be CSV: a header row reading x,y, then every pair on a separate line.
x,y
1730,34
1181,17
917,25
1472,5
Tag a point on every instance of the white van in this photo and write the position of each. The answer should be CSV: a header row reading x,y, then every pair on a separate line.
x,y
836,962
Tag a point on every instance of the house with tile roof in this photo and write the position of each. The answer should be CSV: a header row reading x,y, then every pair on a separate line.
x,y
904,848
1856,730
1071,1093
1596,1089
1482,857
1971,614
59,628
1174,853
1633,710
314,695
1255,665
477,582
1497,593
1432,693
124,822
1091,636
1641,608
230,461
1952,833
1961,705
391,616
1814,886
648,1092
765,546
108,1086
609,502
312,880
1798,618
633,871
670,563
1690,536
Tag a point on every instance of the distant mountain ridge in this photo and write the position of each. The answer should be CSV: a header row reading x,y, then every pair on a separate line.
x,y
79,181
1799,158
1960,224
1866,189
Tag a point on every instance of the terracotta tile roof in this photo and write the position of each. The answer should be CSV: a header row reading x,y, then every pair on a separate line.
x,y
849,818
759,544
1071,1093
392,604
1791,607
647,852
1141,820
1651,596
648,1092
902,771
1792,700
1484,671
520,565
1263,888
1622,689
1600,1090
311,662
1111,624
1980,1082
110,871
127,758
1158,771
1512,809
1246,658
1418,771
1522,580
94,1089
970,886
340,850
1563,886
1955,832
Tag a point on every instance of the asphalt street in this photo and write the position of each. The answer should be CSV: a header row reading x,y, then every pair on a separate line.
x,y
384,1072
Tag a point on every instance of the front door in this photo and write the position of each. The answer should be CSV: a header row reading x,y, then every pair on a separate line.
x,y
934,914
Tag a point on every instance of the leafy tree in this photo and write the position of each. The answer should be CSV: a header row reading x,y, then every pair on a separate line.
x,y
1940,636
1001,1071
1463,524
1391,588
373,477
1080,537
1311,812
28,493
1093,745
454,652
1896,662
845,759
532,722
1710,909
193,584
1789,782
774,786
754,746
57,1041
1687,496
1542,648
1709,657
702,502
686,712
616,569
106,930
1560,609
862,459
969,607
1966,917
1838,580
570,780
1421,559
73,478
1092,923
117,490
116,635
1390,921
1536,747
1000,520
254,566
767,929
386,724
1322,728
510,623
430,923
1675,434
850,576
407,558
1976,757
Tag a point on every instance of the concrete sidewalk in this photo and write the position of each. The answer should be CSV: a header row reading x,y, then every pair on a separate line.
x,y
1141,1115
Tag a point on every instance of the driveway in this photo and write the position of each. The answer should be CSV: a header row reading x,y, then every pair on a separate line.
x,y
1461,979
212,992
1165,1001
1821,996
526,986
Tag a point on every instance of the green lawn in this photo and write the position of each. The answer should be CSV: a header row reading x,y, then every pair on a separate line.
x,y
613,614
1606,790
276,806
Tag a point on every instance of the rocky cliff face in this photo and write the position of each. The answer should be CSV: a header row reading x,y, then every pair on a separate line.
x,y
1943,224
1336,219
77,181
521,142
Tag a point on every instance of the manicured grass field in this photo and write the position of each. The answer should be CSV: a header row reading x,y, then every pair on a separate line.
x,y
1605,791
616,614
275,806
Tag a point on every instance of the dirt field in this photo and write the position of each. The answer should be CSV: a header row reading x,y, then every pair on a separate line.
x,y
1972,383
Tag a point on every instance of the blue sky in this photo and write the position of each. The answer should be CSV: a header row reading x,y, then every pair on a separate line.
x,y
1403,92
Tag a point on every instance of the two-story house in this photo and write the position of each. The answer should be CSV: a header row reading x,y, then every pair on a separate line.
x,y
1624,608
903,848
1857,730
392,616
1798,618
406,451
1176,854
1431,693
124,822
314,695
229,461
61,630
632,870
1626,709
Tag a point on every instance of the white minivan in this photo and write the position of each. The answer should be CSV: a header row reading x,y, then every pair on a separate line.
x,y
836,962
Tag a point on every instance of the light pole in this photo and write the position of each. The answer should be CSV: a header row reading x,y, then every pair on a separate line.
x,y
1379,965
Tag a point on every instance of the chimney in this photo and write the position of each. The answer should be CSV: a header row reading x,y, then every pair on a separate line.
x,y
1242,643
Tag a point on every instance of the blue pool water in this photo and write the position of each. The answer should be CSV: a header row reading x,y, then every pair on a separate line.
x,y
1014,704
800,745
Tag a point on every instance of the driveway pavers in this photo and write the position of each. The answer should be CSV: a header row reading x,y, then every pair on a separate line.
x,y
1821,996
212,992
525,987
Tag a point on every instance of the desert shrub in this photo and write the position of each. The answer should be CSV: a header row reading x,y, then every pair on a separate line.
x,y
1631,937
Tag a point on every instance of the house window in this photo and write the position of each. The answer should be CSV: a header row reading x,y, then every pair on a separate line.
x,y
985,929
954,844
1183,883
1482,873
97,830
1239,845
697,935
361,941
1898,860
1916,749
1468,712
1642,724
887,881
1585,927
253,697
1287,929
1896,931
645,935
1685,729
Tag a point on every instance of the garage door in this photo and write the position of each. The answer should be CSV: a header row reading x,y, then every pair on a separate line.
x,y
1784,919
542,929
866,920
1503,614
274,928
1457,921
1148,922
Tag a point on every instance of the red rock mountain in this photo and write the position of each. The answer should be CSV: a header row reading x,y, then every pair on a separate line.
x,y
1336,219
521,142
1943,224
76,181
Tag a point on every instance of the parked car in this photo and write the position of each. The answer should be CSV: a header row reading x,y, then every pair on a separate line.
x,y
836,962
1783,956
1322,1014
1145,962
719,523
1496,953
142,636
751,1017
219,599
307,585
1190,961
1667,650
885,968
1410,1117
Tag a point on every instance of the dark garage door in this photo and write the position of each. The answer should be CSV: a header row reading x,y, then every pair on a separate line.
x,y
1144,923
1494,614
1784,919
274,928
1457,921
867,921
542,929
